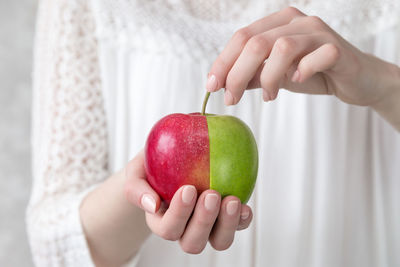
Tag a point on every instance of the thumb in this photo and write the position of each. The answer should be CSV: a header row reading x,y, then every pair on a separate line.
x,y
137,189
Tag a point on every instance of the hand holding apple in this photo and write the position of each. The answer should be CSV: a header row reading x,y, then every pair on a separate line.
x,y
208,151
190,219
205,151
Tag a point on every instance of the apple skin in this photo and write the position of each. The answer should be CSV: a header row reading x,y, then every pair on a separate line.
x,y
177,153
233,157
210,152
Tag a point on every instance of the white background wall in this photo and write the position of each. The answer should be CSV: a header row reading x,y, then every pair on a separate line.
x,y
17,21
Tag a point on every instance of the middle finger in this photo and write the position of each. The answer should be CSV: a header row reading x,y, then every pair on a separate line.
x,y
198,230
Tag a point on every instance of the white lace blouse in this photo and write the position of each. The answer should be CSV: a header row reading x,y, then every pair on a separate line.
x,y
328,190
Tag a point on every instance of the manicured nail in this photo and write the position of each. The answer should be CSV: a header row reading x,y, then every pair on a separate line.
x,y
188,193
228,98
148,203
296,76
211,201
232,207
212,84
244,215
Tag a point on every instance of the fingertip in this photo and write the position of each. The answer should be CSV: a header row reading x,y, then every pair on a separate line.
x,y
274,94
212,201
266,96
228,98
244,215
185,197
148,203
139,193
296,76
188,194
232,207
212,83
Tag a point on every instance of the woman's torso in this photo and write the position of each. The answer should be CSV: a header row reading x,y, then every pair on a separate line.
x,y
328,187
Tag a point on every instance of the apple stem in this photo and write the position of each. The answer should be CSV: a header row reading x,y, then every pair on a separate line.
x,y
203,110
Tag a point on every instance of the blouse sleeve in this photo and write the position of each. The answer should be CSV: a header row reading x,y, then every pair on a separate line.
x,y
69,139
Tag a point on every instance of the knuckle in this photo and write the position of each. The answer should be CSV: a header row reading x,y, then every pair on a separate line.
x,y
127,191
291,11
220,63
204,223
130,194
332,52
242,35
258,44
316,22
285,45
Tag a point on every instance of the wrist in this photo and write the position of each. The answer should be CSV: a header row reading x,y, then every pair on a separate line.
x,y
388,105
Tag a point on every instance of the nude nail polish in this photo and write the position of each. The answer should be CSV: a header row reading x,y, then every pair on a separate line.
x,y
148,203
232,207
212,83
211,201
244,215
188,194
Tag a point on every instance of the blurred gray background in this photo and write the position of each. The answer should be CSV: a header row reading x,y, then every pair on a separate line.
x,y
17,22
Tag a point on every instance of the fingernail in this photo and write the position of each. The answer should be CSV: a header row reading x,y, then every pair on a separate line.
x,y
211,201
212,84
232,207
148,203
244,215
188,194
296,76
228,98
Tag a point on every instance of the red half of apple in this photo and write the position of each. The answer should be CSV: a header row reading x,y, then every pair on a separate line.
x,y
208,151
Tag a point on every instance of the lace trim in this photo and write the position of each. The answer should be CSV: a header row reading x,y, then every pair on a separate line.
x,y
201,28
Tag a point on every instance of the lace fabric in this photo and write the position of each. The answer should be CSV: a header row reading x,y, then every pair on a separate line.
x,y
69,136
69,126
199,28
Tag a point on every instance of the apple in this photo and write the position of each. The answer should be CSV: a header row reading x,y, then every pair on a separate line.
x,y
208,151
